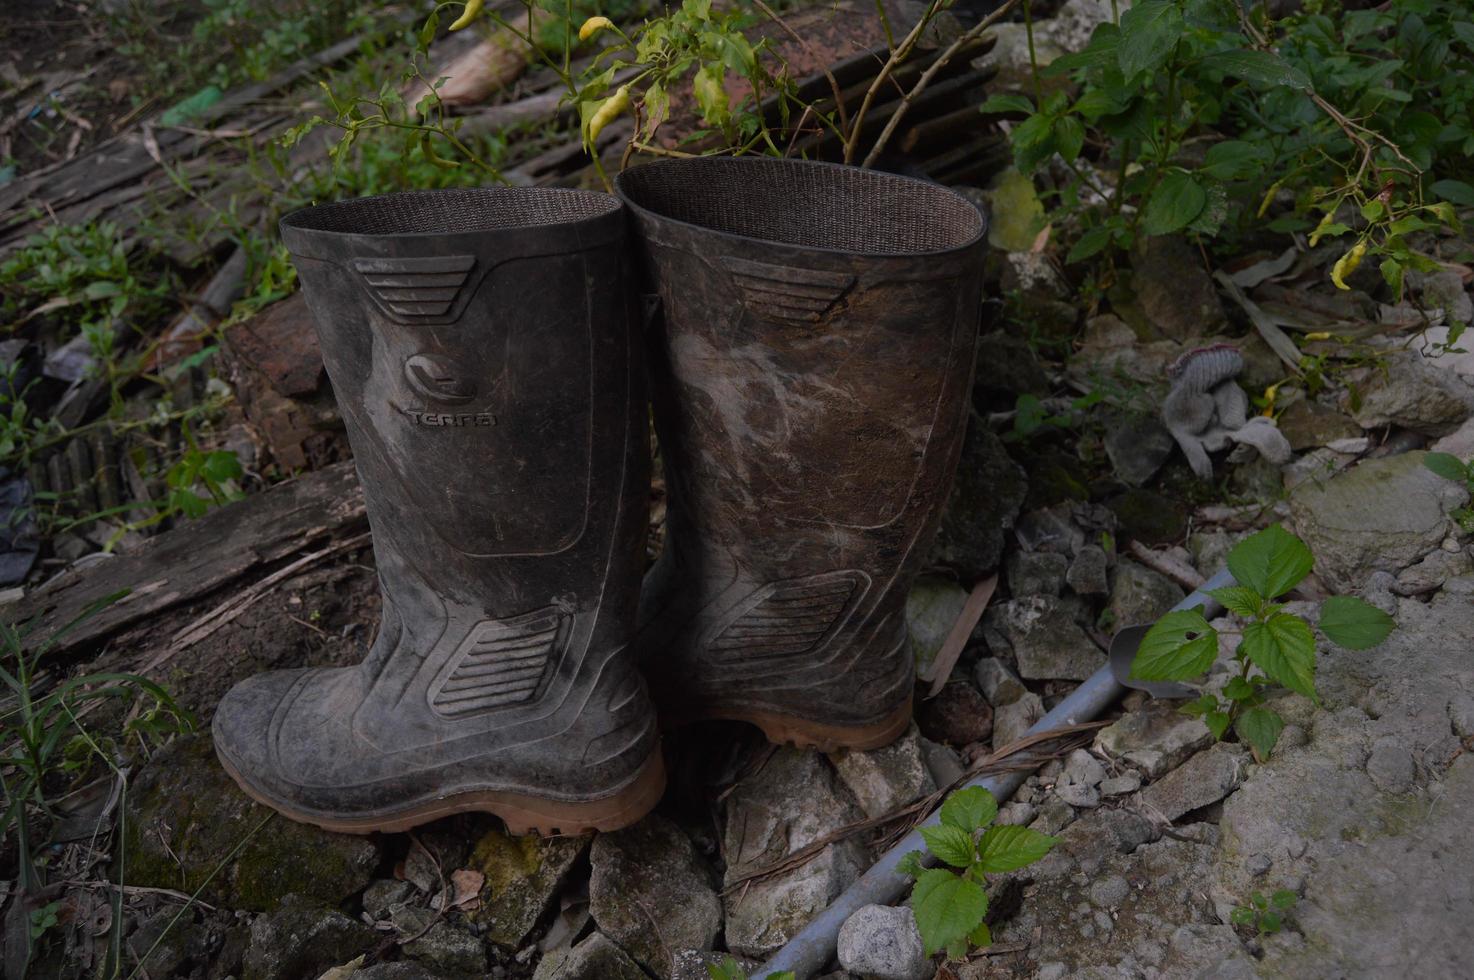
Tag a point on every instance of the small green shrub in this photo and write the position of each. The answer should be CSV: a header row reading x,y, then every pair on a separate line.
x,y
1265,916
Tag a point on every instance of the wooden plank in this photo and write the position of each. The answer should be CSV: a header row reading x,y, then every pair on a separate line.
x,y
196,557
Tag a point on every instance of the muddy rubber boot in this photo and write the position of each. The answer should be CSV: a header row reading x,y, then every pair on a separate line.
x,y
486,361
810,385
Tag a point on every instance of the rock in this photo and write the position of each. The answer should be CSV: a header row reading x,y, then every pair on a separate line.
x,y
1459,443
1154,738
881,942
398,970
447,949
1383,514
1140,596
1209,952
999,684
1137,445
1007,368
523,877
596,958
1036,573
958,715
1013,720
692,964
185,815
1149,517
1445,291
932,607
785,806
1110,892
1174,290
942,761
1316,466
1412,392
1016,814
987,494
884,780
1308,424
382,895
1209,550
1054,815
1128,782
301,939
1429,574
1043,637
646,870
1083,768
1206,778
1342,821
1078,795
1087,574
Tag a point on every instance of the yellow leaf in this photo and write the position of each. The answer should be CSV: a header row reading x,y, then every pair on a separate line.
x,y
593,26
472,11
1347,264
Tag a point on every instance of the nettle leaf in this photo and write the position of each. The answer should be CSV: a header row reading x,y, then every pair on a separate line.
x,y
1271,562
1233,159
1090,243
1454,190
951,844
1149,31
947,908
1239,599
1007,103
1258,67
1008,848
910,864
1069,137
1177,201
969,809
1351,623
1261,728
1238,689
1179,646
1217,722
1447,465
1284,648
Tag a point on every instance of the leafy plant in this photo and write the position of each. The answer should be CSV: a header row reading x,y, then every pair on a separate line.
x,y
1265,916
730,969
951,905
1450,467
1277,648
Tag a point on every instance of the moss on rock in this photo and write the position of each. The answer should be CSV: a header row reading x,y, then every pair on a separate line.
x,y
523,875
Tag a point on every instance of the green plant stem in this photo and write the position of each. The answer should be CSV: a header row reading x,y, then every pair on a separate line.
x,y
1033,56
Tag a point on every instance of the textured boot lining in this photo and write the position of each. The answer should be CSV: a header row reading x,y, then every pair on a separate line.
x,y
444,212
841,208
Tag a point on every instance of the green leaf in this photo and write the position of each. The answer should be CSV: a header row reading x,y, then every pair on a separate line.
x,y
1261,728
1179,646
1283,899
970,808
1008,848
1240,916
1454,190
1239,599
1351,623
1069,137
1233,159
1175,203
1088,244
1217,722
1448,466
1149,31
1200,706
222,465
1284,648
910,864
1006,103
1238,689
1258,67
711,93
980,937
1271,562
951,844
947,908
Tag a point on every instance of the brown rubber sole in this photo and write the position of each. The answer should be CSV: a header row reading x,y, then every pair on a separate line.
x,y
523,814
803,733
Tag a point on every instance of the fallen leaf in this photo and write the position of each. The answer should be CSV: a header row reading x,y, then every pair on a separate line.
x,y
345,971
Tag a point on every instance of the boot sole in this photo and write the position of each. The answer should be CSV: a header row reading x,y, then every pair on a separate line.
x,y
802,733
523,814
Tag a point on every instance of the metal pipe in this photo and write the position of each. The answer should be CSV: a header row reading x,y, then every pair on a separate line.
x,y
811,950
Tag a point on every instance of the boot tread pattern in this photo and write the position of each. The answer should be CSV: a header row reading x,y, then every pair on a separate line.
x,y
409,289
501,662
780,293
788,619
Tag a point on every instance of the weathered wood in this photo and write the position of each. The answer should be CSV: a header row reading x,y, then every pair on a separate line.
x,y
195,558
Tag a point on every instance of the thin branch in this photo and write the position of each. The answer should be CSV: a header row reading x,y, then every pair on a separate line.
x,y
844,124
897,56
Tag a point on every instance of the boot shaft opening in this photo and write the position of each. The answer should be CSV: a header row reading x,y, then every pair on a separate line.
x,y
453,212
813,205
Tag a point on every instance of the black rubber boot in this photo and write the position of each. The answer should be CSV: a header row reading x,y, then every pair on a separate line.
x,y
810,387
484,356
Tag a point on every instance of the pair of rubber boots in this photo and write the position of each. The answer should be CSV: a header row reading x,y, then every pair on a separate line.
x,y
809,331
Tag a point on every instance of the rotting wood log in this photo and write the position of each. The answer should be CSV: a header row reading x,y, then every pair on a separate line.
x,y
194,559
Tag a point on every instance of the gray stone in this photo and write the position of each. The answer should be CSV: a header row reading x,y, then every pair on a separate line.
x,y
1391,766
1109,892
1078,795
1384,514
987,494
1053,815
793,801
884,780
1308,424
1043,637
881,942
1429,574
1087,574
448,949
1084,768
1013,720
1410,391
1445,291
523,877
942,761
302,938
398,970
1209,952
647,871
1206,778
1016,814
932,607
596,958
1176,293
1137,446
383,894
691,964
1036,573
999,684
1154,738
1459,443
958,715
1121,785
1140,596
